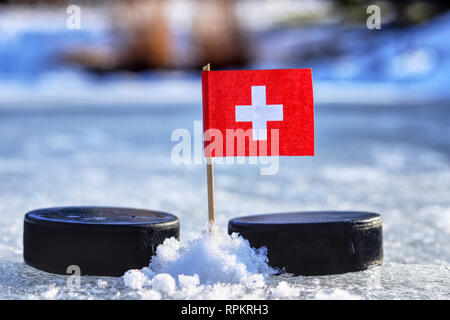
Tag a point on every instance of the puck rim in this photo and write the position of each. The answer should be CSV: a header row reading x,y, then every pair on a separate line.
x,y
34,218
374,219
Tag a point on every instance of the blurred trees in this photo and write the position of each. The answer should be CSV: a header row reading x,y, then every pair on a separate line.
x,y
145,39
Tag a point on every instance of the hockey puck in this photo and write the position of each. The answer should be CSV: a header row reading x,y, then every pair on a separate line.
x,y
315,243
100,241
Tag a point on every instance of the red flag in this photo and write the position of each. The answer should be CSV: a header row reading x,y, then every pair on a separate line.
x,y
258,113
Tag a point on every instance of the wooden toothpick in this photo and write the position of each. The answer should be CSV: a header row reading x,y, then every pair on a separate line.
x,y
210,181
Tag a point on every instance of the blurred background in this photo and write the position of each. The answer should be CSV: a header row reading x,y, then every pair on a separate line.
x,y
90,92
43,45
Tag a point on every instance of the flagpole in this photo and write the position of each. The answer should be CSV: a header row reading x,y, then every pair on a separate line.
x,y
210,182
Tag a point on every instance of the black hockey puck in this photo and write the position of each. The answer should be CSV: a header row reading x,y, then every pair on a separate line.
x,y
100,241
315,243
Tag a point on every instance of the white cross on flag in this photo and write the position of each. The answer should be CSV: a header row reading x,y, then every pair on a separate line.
x,y
266,107
258,113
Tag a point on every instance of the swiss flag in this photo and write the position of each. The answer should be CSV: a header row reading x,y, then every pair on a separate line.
x,y
274,108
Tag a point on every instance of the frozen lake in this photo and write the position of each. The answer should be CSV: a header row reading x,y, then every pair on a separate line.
x,y
394,160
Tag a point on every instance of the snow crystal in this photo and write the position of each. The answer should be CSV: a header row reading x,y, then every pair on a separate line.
x,y
203,266
51,293
102,283
285,290
164,282
337,294
135,279
215,257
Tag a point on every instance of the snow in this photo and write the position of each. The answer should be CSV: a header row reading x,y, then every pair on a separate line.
x,y
186,270
164,283
50,294
337,294
284,290
214,257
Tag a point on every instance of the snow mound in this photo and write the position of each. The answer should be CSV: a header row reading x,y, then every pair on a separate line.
x,y
214,265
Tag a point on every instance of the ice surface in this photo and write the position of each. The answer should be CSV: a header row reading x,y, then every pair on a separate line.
x,y
389,159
